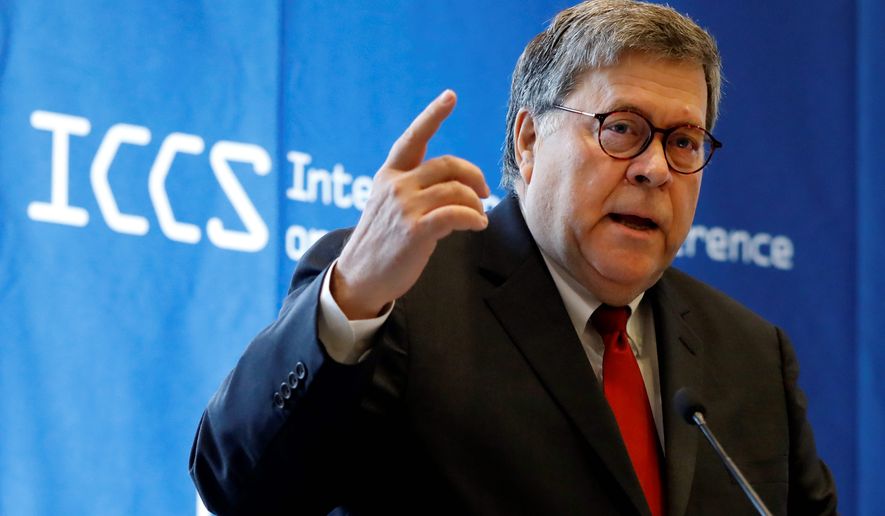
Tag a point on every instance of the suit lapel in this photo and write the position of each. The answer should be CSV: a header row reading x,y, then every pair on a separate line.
x,y
530,310
680,357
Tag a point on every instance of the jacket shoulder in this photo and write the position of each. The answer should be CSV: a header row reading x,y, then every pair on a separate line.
x,y
705,301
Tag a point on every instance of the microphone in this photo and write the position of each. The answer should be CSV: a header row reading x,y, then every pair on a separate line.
x,y
692,410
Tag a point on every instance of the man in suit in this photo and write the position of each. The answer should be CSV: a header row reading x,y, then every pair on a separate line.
x,y
436,359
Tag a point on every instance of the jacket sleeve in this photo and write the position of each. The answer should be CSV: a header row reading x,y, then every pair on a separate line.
x,y
273,437
812,489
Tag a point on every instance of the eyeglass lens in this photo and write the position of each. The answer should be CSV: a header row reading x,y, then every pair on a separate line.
x,y
624,134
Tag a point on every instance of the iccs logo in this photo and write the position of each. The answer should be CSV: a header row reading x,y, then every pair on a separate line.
x,y
59,211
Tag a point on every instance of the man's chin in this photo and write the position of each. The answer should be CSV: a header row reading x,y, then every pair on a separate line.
x,y
621,282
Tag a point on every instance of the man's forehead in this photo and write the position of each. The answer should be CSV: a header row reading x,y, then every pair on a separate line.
x,y
649,86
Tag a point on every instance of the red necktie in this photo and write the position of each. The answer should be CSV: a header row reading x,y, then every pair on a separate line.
x,y
625,392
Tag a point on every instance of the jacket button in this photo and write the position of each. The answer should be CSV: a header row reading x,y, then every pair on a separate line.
x,y
293,380
278,400
285,390
300,370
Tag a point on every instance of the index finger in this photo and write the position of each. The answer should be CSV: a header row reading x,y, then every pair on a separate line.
x,y
408,150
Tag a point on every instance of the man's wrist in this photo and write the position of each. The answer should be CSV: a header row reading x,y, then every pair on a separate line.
x,y
354,306
346,340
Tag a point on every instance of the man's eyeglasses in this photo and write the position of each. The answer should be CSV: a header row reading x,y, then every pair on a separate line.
x,y
625,135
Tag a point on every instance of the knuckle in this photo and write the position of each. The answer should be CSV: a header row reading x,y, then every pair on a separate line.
x,y
397,188
465,191
450,191
448,160
412,229
408,135
450,188
383,176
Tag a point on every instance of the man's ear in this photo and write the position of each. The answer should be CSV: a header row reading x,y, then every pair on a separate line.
x,y
524,144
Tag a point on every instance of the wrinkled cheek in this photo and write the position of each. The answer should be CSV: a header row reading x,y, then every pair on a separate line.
x,y
585,238
673,247
677,236
682,222
595,246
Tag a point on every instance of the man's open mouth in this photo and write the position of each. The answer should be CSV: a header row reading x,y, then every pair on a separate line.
x,y
634,222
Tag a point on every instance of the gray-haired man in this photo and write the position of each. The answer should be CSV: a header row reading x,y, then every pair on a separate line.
x,y
436,359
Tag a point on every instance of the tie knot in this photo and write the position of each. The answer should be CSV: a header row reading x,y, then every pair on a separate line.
x,y
610,319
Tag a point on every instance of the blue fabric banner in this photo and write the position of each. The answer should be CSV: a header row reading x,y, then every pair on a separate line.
x,y
165,164
870,256
136,151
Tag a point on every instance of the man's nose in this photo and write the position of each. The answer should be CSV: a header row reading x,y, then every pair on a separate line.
x,y
650,168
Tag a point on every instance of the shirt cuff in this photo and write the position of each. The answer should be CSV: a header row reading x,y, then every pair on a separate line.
x,y
346,341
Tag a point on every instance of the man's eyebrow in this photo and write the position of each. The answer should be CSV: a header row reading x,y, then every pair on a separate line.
x,y
623,106
626,106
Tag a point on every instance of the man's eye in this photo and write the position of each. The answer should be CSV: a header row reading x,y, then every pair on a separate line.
x,y
684,143
621,127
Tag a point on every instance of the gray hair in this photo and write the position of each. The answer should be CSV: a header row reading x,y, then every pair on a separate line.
x,y
594,34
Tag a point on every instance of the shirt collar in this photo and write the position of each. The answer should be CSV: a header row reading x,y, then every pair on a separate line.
x,y
580,303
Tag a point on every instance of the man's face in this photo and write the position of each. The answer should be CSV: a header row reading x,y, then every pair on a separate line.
x,y
615,225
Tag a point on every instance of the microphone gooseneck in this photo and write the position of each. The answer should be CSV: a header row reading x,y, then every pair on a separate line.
x,y
692,410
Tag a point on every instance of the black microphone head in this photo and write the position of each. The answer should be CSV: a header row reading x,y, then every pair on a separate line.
x,y
687,403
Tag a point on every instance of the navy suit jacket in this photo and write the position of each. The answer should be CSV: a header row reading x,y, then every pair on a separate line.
x,y
478,399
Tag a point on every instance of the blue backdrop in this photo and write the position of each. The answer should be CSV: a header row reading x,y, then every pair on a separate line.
x,y
164,164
